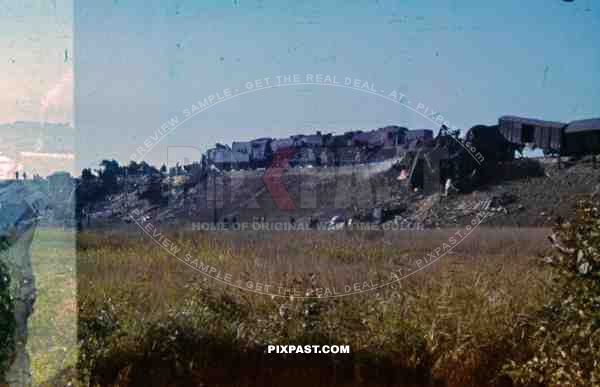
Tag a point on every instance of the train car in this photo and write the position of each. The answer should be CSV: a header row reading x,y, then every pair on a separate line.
x,y
546,135
582,137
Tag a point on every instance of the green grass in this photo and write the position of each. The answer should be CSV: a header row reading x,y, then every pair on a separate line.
x,y
52,342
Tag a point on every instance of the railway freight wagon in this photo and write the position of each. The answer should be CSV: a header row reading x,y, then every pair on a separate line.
x,y
582,138
546,135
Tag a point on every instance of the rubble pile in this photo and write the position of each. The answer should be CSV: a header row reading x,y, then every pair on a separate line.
x,y
523,193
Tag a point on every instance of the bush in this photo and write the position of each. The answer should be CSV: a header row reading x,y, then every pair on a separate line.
x,y
7,321
566,341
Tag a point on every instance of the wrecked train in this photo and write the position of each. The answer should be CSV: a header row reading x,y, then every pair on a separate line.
x,y
578,138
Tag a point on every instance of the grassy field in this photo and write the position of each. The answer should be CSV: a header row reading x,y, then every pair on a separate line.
x,y
147,319
52,340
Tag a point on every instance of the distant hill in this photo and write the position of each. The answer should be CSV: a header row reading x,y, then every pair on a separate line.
x,y
41,148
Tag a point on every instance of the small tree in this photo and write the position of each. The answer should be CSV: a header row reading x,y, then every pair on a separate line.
x,y
109,175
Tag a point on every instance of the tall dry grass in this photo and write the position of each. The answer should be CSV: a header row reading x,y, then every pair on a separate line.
x,y
148,319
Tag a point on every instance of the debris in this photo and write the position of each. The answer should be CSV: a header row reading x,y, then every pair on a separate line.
x,y
377,215
548,259
403,175
554,241
336,222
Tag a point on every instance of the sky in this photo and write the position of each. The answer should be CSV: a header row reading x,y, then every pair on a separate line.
x,y
36,77
137,65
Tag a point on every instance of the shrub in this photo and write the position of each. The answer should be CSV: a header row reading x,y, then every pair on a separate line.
x,y
566,341
7,322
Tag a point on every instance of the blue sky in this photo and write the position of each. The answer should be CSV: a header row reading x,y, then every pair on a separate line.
x,y
34,36
139,63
